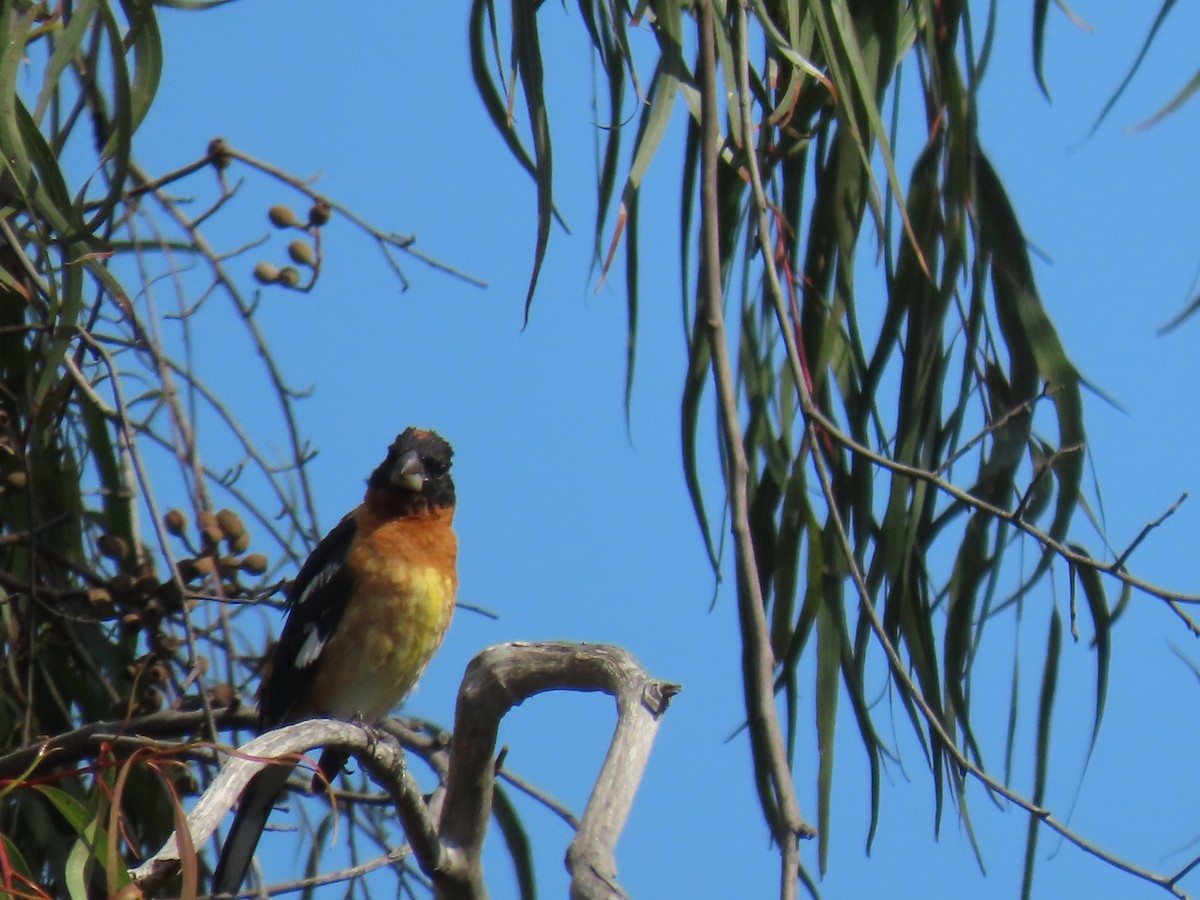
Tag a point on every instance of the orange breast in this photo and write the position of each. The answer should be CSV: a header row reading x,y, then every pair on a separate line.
x,y
406,579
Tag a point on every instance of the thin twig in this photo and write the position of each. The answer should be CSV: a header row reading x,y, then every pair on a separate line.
x,y
1120,561
756,642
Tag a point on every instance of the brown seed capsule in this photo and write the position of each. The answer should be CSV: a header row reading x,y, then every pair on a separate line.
x,y
146,585
101,602
152,700
255,564
282,216
170,596
288,277
121,586
265,273
185,782
112,546
219,155
175,522
222,695
204,565
320,213
146,567
301,252
158,674
230,523
211,536
166,644
241,543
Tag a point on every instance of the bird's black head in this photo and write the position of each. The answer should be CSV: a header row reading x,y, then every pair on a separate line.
x,y
416,473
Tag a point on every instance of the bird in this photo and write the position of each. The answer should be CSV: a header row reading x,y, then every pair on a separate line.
x,y
366,613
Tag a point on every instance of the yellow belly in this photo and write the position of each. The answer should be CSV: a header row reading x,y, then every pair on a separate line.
x,y
387,635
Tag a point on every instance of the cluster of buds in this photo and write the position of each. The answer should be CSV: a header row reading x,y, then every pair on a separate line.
x,y
135,595
304,252
151,674
223,540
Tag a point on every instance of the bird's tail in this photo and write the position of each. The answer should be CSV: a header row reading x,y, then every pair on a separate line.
x,y
248,823
333,760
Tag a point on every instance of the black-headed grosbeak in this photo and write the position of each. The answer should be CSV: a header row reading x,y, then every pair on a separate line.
x,y
365,615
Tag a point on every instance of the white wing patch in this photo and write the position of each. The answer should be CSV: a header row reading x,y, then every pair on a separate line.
x,y
311,648
314,640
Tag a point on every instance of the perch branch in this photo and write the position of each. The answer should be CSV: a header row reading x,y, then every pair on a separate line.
x,y
504,676
448,847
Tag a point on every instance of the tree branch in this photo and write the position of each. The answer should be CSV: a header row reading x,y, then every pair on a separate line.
x,y
756,643
448,847
506,675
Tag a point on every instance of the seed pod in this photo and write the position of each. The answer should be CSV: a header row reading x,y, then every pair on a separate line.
x,y
301,252
204,565
121,586
265,273
166,644
175,522
211,536
230,523
288,277
170,596
158,674
152,700
255,564
219,155
241,543
223,694
146,585
282,216
185,782
112,546
101,602
320,213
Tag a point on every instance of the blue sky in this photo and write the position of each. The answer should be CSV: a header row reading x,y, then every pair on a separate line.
x,y
573,526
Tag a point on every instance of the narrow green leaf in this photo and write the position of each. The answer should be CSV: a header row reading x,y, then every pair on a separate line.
x,y
693,391
1034,346
527,56
517,841
1042,755
846,44
316,848
76,869
1040,8
16,862
1177,101
492,101
68,43
68,807
631,305
1092,583
1014,705
1163,11
794,517
829,641
146,41
1181,317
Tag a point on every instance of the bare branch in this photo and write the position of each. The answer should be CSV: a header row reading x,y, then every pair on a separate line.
x,y
381,754
448,847
756,641
504,676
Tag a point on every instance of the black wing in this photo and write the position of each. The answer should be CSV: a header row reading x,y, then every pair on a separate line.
x,y
315,602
